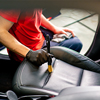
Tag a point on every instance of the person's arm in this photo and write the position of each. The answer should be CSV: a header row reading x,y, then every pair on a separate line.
x,y
57,30
47,24
8,40
36,57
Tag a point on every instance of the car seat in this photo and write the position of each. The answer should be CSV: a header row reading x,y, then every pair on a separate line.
x,y
71,69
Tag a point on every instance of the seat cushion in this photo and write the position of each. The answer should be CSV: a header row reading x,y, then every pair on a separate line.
x,y
30,76
64,75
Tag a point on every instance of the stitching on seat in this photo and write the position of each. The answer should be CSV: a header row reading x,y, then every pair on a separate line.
x,y
81,76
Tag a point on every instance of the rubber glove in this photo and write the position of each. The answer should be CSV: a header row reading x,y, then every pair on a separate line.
x,y
38,57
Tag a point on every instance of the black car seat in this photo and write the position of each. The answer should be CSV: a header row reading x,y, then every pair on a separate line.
x,y
71,69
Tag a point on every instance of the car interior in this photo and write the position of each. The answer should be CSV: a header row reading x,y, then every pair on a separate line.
x,y
74,76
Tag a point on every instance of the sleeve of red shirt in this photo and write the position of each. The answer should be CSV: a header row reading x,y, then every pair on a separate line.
x,y
11,15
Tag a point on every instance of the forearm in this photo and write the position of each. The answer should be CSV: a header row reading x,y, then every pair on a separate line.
x,y
47,24
10,42
57,30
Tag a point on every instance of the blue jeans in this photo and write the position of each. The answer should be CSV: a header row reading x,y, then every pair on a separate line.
x,y
1,47
72,43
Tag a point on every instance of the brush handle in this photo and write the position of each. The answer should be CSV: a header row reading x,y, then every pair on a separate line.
x,y
50,69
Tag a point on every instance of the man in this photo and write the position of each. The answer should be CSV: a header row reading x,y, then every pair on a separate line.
x,y
20,33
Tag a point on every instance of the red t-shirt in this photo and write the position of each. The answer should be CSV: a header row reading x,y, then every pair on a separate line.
x,y
25,29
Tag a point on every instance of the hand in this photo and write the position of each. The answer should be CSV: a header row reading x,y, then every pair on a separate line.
x,y
38,57
63,31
